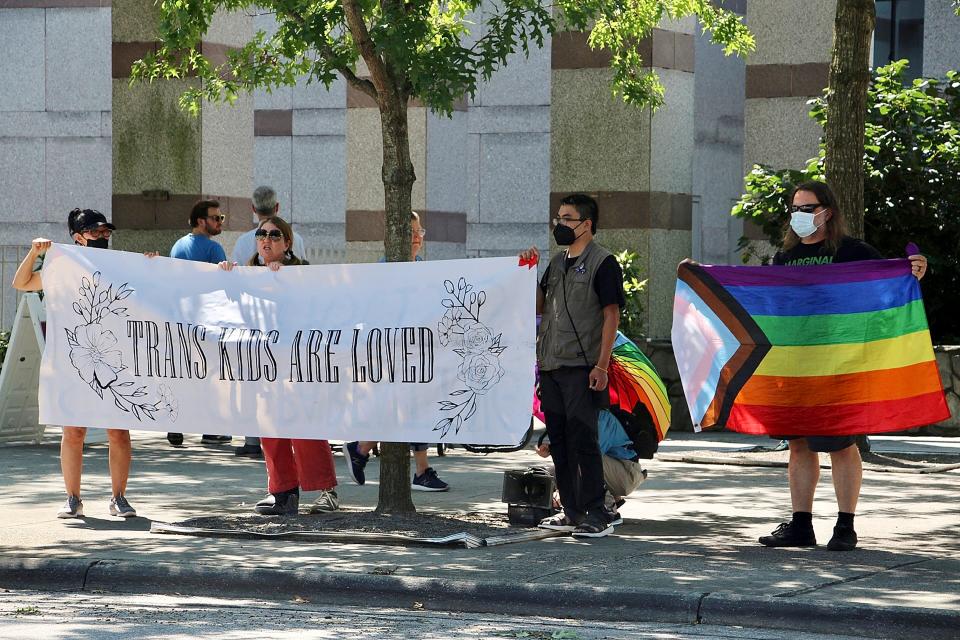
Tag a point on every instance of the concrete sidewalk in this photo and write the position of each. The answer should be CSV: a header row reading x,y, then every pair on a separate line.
x,y
687,551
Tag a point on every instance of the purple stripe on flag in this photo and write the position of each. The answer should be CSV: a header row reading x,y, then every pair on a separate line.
x,y
861,271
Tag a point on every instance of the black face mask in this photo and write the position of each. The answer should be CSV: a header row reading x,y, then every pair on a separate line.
x,y
564,235
98,243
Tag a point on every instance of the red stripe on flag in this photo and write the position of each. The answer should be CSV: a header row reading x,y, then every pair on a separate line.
x,y
838,420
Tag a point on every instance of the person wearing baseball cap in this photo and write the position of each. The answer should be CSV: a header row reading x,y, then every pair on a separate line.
x,y
88,228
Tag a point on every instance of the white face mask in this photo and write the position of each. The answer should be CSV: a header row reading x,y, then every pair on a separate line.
x,y
803,224
256,219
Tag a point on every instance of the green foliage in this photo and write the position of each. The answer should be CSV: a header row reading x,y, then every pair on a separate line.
x,y
631,318
426,46
911,183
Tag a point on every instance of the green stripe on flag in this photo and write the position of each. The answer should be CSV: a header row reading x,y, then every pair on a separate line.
x,y
844,328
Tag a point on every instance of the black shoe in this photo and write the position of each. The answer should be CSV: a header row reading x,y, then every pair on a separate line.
x,y
844,539
176,439
593,527
356,462
790,535
207,439
249,451
284,503
428,482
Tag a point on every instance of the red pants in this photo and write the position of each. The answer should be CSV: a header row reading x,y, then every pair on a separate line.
x,y
307,464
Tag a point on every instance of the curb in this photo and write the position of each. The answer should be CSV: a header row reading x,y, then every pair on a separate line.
x,y
440,594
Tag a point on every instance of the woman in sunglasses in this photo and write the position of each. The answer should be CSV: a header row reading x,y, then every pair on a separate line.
x,y
292,464
817,235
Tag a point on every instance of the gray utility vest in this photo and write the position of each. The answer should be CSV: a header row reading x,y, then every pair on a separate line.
x,y
557,344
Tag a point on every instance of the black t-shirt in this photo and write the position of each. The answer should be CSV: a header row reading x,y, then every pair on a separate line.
x,y
850,250
608,283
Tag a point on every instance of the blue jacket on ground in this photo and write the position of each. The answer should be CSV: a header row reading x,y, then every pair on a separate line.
x,y
198,248
614,441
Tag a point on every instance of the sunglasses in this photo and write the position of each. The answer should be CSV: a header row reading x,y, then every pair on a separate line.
x,y
273,234
805,208
219,218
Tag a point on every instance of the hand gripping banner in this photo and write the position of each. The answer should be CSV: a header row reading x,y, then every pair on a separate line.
x,y
409,352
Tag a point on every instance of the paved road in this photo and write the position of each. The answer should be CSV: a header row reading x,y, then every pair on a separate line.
x,y
27,615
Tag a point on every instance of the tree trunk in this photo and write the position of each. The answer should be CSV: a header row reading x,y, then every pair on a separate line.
x,y
847,107
398,179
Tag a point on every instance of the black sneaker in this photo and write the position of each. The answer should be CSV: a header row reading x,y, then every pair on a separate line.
x,y
429,481
249,451
844,539
176,439
284,503
208,439
593,527
790,535
356,462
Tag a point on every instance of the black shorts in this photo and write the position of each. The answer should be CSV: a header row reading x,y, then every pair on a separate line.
x,y
826,444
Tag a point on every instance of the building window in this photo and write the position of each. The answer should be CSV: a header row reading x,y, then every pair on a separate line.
x,y
899,34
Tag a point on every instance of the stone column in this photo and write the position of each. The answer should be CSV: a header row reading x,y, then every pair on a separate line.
x,y
165,159
791,65
638,166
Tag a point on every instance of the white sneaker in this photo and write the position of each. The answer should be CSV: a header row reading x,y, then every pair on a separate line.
x,y
326,502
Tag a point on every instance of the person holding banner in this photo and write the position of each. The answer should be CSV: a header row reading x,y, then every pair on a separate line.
x,y
88,228
816,234
357,453
293,464
580,296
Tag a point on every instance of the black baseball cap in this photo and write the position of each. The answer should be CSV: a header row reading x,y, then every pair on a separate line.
x,y
81,220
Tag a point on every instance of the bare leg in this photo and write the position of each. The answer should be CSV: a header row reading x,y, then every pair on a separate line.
x,y
847,477
71,458
804,472
365,447
420,457
120,456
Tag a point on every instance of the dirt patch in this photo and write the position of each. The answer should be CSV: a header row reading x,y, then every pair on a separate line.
x,y
419,525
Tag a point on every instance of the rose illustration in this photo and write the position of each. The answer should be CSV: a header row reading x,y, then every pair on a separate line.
x,y
480,371
477,338
94,357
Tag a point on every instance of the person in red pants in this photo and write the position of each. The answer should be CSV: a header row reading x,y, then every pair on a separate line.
x,y
292,464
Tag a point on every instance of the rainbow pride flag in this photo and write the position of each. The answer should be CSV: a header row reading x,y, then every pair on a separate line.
x,y
813,350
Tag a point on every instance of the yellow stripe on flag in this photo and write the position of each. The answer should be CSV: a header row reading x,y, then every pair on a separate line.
x,y
834,359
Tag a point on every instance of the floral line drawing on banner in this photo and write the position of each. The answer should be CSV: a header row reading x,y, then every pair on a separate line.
x,y
479,350
99,363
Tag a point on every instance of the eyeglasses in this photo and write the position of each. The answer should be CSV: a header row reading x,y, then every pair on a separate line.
x,y
558,221
419,232
805,208
273,234
219,218
98,233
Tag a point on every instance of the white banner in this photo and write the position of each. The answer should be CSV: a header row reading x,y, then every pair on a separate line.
x,y
408,352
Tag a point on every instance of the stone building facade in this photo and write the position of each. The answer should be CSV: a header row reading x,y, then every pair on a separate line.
x,y
74,133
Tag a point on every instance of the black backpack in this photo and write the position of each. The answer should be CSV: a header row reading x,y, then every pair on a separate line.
x,y
640,429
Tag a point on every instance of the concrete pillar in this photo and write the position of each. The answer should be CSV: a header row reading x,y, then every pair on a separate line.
x,y
637,165
165,159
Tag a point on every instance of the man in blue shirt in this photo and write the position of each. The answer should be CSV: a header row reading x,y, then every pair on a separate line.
x,y
205,221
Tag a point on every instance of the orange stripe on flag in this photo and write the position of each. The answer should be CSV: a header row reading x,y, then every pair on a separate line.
x,y
848,388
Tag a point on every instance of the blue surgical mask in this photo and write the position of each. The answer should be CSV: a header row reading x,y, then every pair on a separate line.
x,y
803,223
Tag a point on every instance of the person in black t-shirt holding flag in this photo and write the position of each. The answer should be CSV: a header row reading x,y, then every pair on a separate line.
x,y
580,297
817,235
